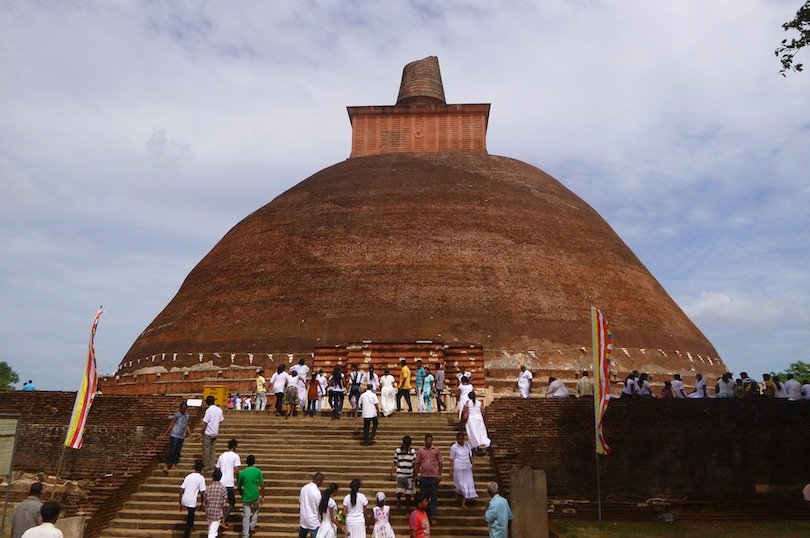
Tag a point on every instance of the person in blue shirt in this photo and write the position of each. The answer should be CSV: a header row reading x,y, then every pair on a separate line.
x,y
498,513
420,379
28,387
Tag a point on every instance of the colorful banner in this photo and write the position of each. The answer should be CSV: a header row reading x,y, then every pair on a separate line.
x,y
86,393
602,346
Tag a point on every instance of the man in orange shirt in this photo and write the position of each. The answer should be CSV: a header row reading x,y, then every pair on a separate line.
x,y
404,386
418,522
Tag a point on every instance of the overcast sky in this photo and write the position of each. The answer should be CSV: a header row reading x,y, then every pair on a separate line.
x,y
134,135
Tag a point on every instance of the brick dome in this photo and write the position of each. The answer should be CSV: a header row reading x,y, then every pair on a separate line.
x,y
421,237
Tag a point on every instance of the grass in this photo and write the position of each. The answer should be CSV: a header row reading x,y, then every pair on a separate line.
x,y
682,529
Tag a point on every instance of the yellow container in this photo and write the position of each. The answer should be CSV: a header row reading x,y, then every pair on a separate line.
x,y
220,394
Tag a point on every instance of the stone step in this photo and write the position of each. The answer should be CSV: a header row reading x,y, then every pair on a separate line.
x,y
289,451
279,490
173,526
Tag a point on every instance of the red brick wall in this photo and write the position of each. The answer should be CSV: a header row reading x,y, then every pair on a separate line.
x,y
686,451
377,130
123,441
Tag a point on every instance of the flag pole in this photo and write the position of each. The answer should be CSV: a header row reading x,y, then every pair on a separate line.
x,y
61,458
597,403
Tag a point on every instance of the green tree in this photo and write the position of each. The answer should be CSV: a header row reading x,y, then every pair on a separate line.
x,y
799,369
790,47
7,376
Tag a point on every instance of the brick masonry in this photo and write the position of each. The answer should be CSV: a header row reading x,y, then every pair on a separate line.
x,y
692,454
123,442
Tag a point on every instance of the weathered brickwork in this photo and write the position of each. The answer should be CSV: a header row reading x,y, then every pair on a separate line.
x,y
124,439
733,455
419,128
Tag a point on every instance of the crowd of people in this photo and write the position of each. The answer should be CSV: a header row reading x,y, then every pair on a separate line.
x,y
639,385
301,389
320,516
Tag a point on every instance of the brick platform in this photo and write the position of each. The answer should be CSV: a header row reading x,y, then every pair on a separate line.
x,y
123,440
725,458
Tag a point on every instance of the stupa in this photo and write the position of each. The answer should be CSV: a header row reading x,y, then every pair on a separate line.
x,y
422,236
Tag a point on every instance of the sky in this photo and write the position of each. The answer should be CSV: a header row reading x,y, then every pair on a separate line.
x,y
134,135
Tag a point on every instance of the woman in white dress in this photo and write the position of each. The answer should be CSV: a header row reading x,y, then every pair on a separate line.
x,y
328,513
473,420
462,470
464,390
354,505
388,393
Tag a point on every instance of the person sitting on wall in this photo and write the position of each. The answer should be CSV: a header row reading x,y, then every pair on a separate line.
x,y
629,389
677,386
584,386
643,387
557,388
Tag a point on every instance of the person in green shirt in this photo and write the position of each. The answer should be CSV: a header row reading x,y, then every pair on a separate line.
x,y
251,487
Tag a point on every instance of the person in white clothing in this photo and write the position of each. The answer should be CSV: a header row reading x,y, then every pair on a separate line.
x,y
371,379
382,519
701,387
301,381
462,470
49,513
354,505
211,420
557,388
193,484
724,388
368,404
524,382
229,463
308,501
677,386
323,382
629,389
793,388
474,425
301,368
388,393
279,381
643,387
327,513
806,389
464,390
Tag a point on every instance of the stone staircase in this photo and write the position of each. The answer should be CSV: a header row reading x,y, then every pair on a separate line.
x,y
289,451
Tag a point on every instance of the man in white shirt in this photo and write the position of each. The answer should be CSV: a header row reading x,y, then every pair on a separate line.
x,y
793,388
193,485
524,382
368,404
309,499
677,386
557,389
584,385
211,420
229,463
49,513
